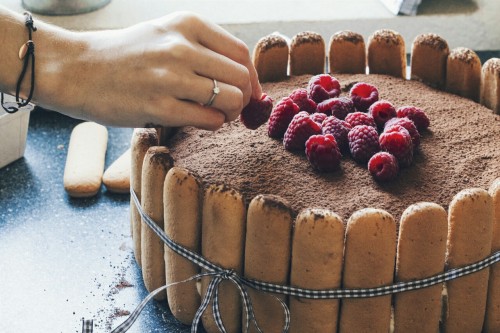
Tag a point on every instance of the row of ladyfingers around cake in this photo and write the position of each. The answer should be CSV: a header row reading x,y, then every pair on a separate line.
x,y
315,250
458,71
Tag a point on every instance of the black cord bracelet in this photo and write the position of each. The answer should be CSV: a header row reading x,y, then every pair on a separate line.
x,y
26,53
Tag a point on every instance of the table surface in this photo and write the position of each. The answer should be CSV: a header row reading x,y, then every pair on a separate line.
x,y
62,259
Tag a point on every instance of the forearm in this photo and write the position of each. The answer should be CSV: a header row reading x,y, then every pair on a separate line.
x,y
13,34
53,46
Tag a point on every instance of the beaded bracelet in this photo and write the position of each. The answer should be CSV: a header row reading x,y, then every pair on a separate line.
x,y
26,53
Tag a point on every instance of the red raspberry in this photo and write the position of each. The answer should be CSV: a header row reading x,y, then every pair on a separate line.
x,y
318,117
323,153
299,96
300,129
410,127
281,116
338,107
363,143
256,112
322,87
339,129
416,115
359,118
382,111
383,166
363,95
397,141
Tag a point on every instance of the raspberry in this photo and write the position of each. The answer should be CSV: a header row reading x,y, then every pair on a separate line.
x,y
363,143
410,127
281,116
299,96
256,112
416,115
383,166
300,129
323,153
322,87
339,129
363,95
318,117
397,141
359,118
382,111
338,107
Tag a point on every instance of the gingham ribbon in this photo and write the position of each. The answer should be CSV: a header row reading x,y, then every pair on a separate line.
x,y
220,274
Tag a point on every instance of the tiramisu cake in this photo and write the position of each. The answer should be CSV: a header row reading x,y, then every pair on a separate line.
x,y
255,203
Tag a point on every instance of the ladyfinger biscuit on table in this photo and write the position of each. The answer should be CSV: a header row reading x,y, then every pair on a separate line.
x,y
182,202
386,53
369,255
490,84
429,54
85,161
142,140
492,319
347,53
470,227
307,54
267,256
270,58
317,256
421,253
157,162
463,76
222,242
116,178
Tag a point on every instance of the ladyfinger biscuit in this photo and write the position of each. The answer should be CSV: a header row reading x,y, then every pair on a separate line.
x,y
463,76
490,84
369,255
270,58
267,256
421,253
307,54
182,195
492,319
85,161
157,162
116,178
429,53
317,256
347,53
386,53
142,140
470,227
222,242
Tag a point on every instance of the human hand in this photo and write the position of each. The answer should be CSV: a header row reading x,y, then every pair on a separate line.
x,y
158,72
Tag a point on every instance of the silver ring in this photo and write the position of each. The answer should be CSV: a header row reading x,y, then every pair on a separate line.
x,y
215,92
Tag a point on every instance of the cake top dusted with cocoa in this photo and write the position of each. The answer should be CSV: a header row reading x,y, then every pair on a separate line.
x,y
271,41
387,35
460,150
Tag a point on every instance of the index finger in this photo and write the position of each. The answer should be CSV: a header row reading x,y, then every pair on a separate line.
x,y
221,41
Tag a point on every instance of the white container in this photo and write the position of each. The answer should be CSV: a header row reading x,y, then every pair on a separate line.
x,y
13,134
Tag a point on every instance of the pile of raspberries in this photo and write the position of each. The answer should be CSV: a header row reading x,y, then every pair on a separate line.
x,y
328,126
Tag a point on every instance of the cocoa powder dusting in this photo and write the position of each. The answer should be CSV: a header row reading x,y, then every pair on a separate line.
x,y
464,55
348,36
306,37
460,150
270,42
432,40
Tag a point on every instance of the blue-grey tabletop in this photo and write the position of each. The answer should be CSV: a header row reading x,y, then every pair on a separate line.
x,y
64,259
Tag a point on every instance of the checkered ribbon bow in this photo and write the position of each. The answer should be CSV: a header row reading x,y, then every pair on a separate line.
x,y
220,274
